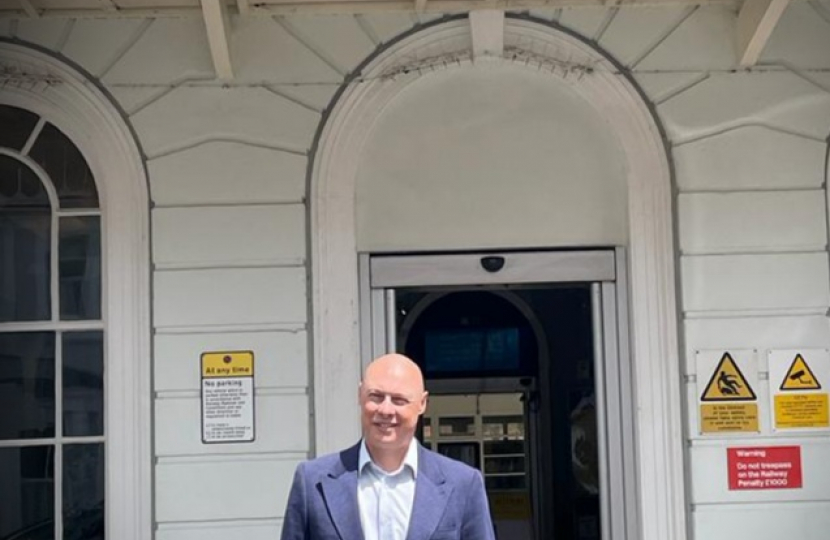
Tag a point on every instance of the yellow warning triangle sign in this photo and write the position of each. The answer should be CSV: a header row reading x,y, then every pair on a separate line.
x,y
800,376
728,383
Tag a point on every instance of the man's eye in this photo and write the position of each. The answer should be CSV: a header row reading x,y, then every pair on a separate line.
x,y
399,401
376,398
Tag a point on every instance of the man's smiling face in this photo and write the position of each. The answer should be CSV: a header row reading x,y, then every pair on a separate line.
x,y
392,397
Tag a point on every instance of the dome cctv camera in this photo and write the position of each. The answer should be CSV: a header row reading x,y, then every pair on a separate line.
x,y
492,263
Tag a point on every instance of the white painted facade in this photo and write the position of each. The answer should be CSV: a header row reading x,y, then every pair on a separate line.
x,y
262,189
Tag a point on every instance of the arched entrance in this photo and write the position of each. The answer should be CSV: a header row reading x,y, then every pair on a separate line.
x,y
602,83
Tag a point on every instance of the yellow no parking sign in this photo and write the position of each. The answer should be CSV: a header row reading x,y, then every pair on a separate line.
x,y
227,397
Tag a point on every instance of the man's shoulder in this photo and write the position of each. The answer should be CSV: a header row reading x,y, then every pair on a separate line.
x,y
335,462
321,462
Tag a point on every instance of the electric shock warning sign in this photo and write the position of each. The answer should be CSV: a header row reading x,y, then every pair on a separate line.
x,y
227,397
798,398
770,467
728,403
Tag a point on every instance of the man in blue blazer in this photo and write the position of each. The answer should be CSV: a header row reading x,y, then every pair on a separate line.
x,y
388,487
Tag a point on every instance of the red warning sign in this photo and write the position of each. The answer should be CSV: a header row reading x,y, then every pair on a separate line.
x,y
765,467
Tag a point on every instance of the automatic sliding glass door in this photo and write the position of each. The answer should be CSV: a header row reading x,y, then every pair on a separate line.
x,y
538,334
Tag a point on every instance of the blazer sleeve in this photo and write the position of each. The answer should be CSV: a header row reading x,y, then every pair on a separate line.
x,y
295,522
478,524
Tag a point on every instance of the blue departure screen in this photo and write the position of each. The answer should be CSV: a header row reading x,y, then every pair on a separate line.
x,y
472,350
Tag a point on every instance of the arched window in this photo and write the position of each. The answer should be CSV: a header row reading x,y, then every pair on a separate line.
x,y
52,365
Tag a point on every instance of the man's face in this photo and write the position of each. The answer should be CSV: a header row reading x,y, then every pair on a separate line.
x,y
392,398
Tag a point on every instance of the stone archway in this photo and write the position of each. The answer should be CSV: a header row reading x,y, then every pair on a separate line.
x,y
601,82
65,96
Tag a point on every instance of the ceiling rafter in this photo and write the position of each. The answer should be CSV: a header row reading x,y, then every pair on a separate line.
x,y
29,8
756,21
244,7
215,13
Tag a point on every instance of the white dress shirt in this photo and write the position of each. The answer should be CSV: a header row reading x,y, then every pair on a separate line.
x,y
385,499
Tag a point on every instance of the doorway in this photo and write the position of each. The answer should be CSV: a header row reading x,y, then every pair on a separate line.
x,y
521,356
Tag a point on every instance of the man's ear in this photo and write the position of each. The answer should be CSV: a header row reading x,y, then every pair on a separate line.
x,y
424,402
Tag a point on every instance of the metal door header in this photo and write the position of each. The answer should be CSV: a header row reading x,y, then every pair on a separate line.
x,y
491,268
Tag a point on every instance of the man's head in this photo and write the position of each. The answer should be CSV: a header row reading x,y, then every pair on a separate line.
x,y
392,397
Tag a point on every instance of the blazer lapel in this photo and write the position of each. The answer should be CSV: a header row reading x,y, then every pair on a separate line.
x,y
431,495
340,493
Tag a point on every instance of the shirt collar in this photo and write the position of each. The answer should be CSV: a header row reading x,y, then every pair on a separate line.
x,y
410,459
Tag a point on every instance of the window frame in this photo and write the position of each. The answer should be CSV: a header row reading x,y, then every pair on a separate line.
x,y
65,96
56,325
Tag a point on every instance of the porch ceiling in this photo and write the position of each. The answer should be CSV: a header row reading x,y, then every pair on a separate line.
x,y
756,18
145,8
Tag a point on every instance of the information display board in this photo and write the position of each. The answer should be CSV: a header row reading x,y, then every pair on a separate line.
x,y
227,397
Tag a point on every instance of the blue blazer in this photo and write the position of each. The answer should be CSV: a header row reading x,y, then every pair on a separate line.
x,y
450,501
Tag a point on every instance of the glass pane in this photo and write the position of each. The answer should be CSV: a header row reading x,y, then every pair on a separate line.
x,y
504,447
20,187
514,464
83,492
427,428
492,431
27,385
498,427
67,168
17,126
83,384
499,483
466,452
25,230
457,426
80,267
27,490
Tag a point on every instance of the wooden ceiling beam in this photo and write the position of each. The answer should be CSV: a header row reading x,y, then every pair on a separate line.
x,y
215,13
756,21
29,8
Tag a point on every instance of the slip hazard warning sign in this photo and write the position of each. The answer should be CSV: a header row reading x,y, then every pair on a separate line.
x,y
728,383
800,376
728,403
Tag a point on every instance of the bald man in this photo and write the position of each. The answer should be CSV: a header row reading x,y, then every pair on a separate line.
x,y
388,486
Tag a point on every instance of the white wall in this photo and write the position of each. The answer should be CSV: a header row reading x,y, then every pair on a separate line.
x,y
487,157
227,166
749,156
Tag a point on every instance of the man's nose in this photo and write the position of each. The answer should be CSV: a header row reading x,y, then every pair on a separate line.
x,y
386,406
